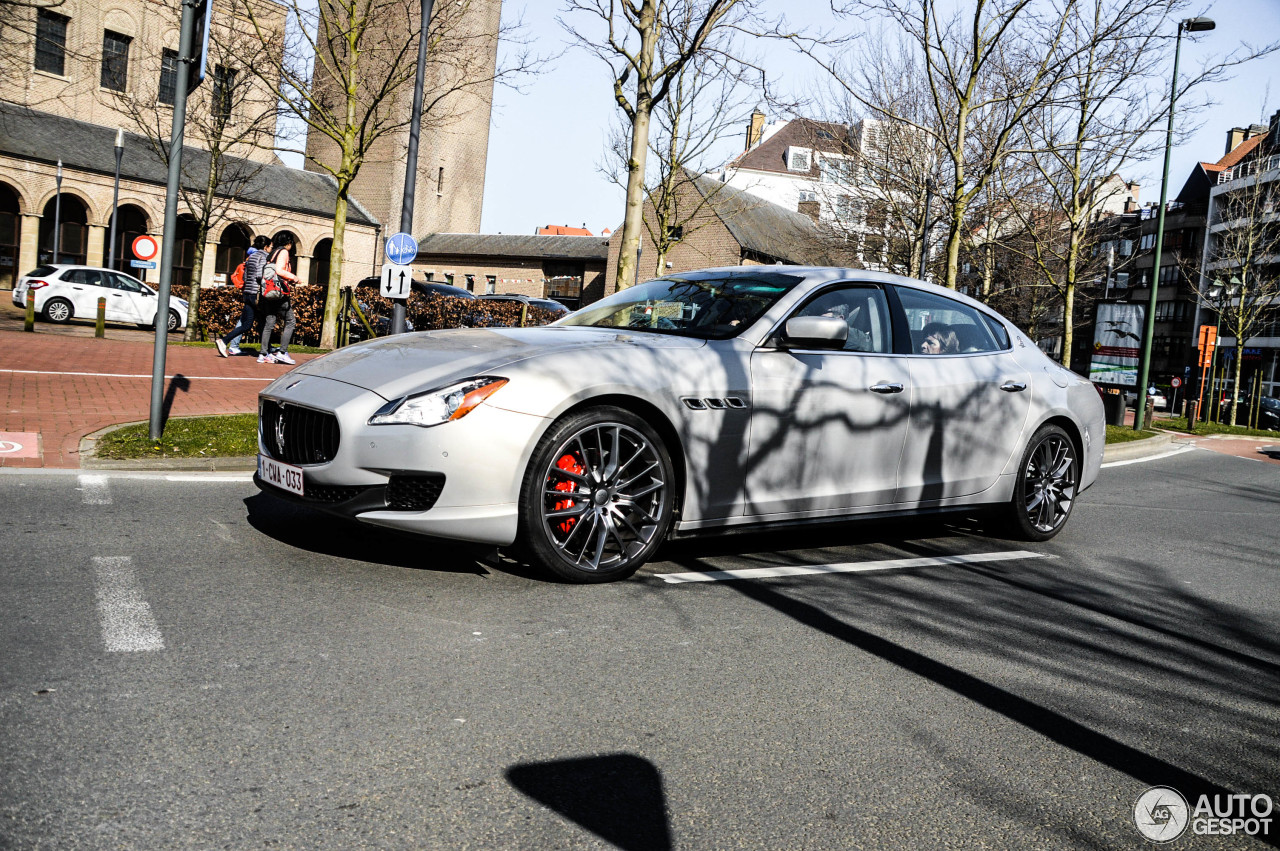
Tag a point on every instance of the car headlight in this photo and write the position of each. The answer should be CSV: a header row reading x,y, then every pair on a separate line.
x,y
438,406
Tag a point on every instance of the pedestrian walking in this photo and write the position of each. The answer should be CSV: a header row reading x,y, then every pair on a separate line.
x,y
229,344
274,302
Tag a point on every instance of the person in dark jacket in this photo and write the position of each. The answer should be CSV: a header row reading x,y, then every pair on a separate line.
x,y
229,344
281,264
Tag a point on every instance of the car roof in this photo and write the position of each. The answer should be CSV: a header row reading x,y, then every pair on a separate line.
x,y
423,287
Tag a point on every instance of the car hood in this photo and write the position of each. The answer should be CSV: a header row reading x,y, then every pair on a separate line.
x,y
408,363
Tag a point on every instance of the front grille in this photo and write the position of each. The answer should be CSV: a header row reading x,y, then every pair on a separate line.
x,y
414,493
332,493
297,435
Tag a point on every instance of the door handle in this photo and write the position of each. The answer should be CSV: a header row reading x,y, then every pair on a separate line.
x,y
1013,386
886,387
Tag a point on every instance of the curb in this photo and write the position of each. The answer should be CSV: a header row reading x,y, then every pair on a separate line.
x,y
1133,449
90,461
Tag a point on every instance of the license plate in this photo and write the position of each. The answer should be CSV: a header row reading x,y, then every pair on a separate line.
x,y
284,476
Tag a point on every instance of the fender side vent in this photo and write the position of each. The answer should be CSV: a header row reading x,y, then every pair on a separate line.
x,y
694,404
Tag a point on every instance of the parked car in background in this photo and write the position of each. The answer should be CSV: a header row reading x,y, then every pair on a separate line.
x,y
380,318
703,401
544,303
1269,413
1153,393
62,292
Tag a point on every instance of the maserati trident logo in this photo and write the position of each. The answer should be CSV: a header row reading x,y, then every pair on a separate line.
x,y
280,433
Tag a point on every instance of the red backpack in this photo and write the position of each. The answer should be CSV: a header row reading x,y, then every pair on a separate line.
x,y
237,277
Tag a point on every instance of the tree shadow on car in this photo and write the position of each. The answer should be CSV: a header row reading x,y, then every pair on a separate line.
x,y
325,534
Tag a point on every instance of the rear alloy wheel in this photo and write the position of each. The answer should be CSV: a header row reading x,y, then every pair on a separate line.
x,y
58,310
1048,481
175,321
597,498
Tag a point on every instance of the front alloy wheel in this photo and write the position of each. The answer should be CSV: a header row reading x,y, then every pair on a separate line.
x,y
1047,485
597,499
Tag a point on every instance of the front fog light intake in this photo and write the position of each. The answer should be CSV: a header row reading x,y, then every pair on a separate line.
x,y
438,406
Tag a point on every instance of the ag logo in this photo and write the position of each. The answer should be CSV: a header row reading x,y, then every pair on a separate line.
x,y
1161,814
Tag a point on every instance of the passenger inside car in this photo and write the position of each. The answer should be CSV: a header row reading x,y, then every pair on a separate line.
x,y
939,339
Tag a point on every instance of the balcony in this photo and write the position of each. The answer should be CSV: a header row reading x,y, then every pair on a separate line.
x,y
1249,169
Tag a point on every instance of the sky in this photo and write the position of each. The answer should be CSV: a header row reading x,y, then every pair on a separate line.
x,y
547,142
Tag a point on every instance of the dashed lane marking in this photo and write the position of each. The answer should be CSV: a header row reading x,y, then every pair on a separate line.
x,y
127,623
1168,454
94,490
846,567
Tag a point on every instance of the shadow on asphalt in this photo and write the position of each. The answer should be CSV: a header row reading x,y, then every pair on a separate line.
x,y
618,797
1119,664
324,534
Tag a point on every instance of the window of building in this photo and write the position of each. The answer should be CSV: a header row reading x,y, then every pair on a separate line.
x,y
51,42
490,284
676,233
224,85
1147,242
471,283
115,60
448,278
440,181
431,276
168,76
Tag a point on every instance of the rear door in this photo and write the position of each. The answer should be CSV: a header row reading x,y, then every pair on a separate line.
x,y
827,426
969,399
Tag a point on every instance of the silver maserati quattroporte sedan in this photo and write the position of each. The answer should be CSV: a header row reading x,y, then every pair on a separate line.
x,y
700,401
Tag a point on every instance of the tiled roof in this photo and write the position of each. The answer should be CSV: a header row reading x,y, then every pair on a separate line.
x,y
1237,153
563,230
771,154
42,137
517,245
760,226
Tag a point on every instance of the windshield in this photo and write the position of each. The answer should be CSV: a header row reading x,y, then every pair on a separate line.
x,y
706,306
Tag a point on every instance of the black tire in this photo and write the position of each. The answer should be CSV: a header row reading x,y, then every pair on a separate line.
x,y
605,471
1047,485
58,310
175,321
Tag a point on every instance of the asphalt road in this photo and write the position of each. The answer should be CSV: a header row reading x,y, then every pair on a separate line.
x,y
189,664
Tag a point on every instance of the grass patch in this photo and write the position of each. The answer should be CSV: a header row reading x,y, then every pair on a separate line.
x,y
189,437
1180,424
1125,434
253,348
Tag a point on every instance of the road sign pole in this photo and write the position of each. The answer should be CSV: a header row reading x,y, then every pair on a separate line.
x,y
411,156
156,425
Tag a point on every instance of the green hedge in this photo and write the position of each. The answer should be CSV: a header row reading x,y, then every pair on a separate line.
x,y
220,308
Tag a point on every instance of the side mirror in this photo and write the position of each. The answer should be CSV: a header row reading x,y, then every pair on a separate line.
x,y
814,332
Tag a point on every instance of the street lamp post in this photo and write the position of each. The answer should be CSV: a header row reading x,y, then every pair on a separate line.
x,y
1144,364
411,155
115,199
57,215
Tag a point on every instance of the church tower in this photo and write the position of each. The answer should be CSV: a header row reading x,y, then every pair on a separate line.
x,y
454,141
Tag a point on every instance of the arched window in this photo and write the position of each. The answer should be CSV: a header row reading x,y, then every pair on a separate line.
x,y
235,240
184,255
10,236
320,264
74,220
131,223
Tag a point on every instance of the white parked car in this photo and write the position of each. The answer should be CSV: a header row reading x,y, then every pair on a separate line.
x,y
64,292
1157,398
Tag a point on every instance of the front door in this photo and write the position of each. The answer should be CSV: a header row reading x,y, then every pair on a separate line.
x,y
828,426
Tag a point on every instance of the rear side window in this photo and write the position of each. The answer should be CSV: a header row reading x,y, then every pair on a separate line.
x,y
943,326
998,331
41,272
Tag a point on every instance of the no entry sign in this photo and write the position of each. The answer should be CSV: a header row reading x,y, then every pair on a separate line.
x,y
145,247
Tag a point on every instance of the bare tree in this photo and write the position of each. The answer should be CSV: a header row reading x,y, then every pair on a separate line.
x,y
703,107
231,119
342,70
633,30
1242,256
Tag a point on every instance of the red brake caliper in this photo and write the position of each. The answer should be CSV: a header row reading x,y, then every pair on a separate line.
x,y
570,465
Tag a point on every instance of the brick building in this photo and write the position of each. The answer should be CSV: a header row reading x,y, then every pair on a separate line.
x,y
551,266
730,227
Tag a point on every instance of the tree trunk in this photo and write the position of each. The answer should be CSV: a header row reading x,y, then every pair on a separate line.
x,y
633,221
1235,384
955,230
197,263
329,326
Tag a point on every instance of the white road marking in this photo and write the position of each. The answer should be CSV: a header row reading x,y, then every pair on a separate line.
x,y
1168,454
94,490
223,532
215,477
846,567
127,622
140,375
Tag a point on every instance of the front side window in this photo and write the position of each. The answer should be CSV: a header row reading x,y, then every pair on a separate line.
x,y
942,326
866,311
168,77
89,277
704,305
115,60
51,42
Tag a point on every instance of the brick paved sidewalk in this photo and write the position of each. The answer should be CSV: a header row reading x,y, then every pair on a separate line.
x,y
65,387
